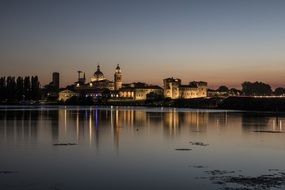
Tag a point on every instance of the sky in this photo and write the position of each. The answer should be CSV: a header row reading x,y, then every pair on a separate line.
x,y
223,42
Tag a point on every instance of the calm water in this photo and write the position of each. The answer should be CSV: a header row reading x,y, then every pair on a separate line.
x,y
133,148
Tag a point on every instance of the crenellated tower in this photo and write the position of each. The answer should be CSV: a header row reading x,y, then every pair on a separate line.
x,y
118,78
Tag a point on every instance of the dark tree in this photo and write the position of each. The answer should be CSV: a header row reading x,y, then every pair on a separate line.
x,y
235,91
256,89
223,89
11,89
35,88
20,88
154,97
279,91
106,93
27,88
14,90
2,88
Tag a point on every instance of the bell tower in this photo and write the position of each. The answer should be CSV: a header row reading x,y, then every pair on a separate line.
x,y
118,78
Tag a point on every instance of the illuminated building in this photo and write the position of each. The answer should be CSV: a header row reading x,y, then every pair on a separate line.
x,y
66,95
136,92
174,89
118,78
98,83
171,88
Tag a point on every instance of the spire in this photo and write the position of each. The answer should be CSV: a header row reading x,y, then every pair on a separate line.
x,y
118,69
98,67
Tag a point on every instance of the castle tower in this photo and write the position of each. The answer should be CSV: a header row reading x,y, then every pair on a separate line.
x,y
171,88
81,78
55,80
118,78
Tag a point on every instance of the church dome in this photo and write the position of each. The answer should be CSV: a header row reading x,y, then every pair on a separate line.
x,y
98,74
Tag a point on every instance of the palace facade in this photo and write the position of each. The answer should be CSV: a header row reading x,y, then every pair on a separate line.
x,y
139,91
175,90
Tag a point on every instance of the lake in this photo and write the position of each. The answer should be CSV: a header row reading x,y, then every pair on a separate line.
x,y
59,147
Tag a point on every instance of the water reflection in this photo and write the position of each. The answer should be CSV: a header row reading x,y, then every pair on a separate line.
x,y
93,124
77,125
19,126
261,121
136,144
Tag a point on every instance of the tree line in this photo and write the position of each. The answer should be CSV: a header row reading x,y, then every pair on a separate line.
x,y
254,89
14,89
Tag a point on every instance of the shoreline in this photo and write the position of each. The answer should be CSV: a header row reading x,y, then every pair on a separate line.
x,y
240,104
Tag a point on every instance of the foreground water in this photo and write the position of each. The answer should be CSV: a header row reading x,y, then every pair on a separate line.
x,y
138,148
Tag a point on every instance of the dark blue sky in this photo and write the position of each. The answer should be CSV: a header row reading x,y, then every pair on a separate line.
x,y
222,42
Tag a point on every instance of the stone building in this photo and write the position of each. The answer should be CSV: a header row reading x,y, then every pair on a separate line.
x,y
55,80
118,80
174,89
99,81
171,88
139,91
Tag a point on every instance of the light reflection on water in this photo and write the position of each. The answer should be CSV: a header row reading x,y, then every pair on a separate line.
x,y
125,147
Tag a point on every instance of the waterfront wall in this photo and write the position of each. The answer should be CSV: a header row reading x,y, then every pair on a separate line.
x,y
253,103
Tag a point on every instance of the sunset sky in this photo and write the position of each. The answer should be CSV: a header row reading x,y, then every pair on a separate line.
x,y
218,41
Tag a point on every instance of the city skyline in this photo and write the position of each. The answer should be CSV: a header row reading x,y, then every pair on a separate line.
x,y
221,42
